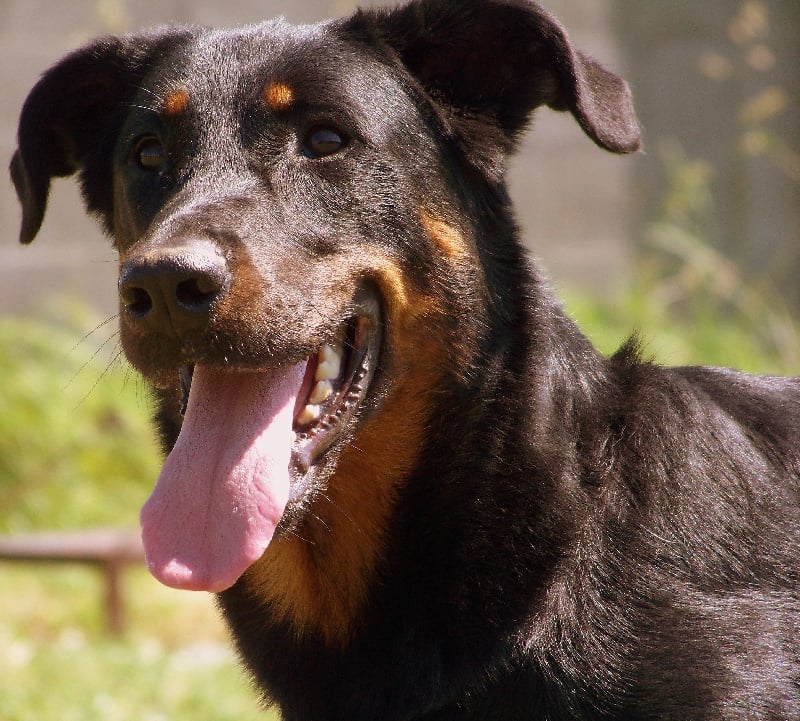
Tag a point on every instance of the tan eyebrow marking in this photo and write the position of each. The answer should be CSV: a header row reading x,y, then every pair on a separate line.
x,y
176,103
279,96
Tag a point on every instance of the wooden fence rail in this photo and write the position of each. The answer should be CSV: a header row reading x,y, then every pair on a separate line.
x,y
108,550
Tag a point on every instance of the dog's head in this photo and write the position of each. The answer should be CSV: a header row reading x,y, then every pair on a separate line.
x,y
305,219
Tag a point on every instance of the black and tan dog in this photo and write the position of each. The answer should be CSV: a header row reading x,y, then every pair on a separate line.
x,y
417,488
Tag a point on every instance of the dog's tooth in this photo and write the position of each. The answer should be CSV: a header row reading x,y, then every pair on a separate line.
x,y
330,353
327,371
309,414
321,392
330,364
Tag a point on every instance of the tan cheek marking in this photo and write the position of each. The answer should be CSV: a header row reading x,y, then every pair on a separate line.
x,y
319,579
447,238
176,103
279,96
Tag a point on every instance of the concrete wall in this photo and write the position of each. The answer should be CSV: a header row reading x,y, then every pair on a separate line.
x,y
698,71
571,196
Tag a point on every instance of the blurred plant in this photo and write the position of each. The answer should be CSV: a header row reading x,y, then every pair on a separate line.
x,y
689,275
702,284
748,32
690,302
76,448
114,15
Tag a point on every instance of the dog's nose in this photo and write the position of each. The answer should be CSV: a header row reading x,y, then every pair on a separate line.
x,y
173,290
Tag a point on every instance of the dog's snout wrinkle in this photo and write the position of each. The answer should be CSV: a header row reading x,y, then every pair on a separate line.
x,y
173,290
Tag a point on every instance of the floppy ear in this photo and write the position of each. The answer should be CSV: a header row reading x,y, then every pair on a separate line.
x,y
501,59
70,118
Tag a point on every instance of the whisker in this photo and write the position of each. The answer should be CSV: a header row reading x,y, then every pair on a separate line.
x,y
115,362
102,375
94,330
131,376
325,525
147,90
301,538
89,360
146,108
356,448
340,510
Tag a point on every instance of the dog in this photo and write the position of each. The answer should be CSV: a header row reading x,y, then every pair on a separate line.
x,y
417,489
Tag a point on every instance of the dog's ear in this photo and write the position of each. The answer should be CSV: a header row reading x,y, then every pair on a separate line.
x,y
71,116
500,59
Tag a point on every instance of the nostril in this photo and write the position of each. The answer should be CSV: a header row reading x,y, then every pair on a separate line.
x,y
198,293
137,301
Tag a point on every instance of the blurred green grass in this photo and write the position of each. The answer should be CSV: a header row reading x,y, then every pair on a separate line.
x,y
57,663
77,451
76,448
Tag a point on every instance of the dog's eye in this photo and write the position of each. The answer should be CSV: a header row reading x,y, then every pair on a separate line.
x,y
322,141
149,153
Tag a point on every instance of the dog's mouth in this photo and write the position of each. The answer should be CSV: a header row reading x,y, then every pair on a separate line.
x,y
335,383
250,444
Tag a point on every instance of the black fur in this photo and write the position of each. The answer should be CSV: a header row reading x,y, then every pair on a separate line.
x,y
580,537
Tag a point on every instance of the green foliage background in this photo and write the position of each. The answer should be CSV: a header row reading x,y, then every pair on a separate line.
x,y
76,447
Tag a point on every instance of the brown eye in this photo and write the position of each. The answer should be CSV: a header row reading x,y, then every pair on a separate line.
x,y
149,153
321,142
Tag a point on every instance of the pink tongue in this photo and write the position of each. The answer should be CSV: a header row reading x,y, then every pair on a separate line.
x,y
224,486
